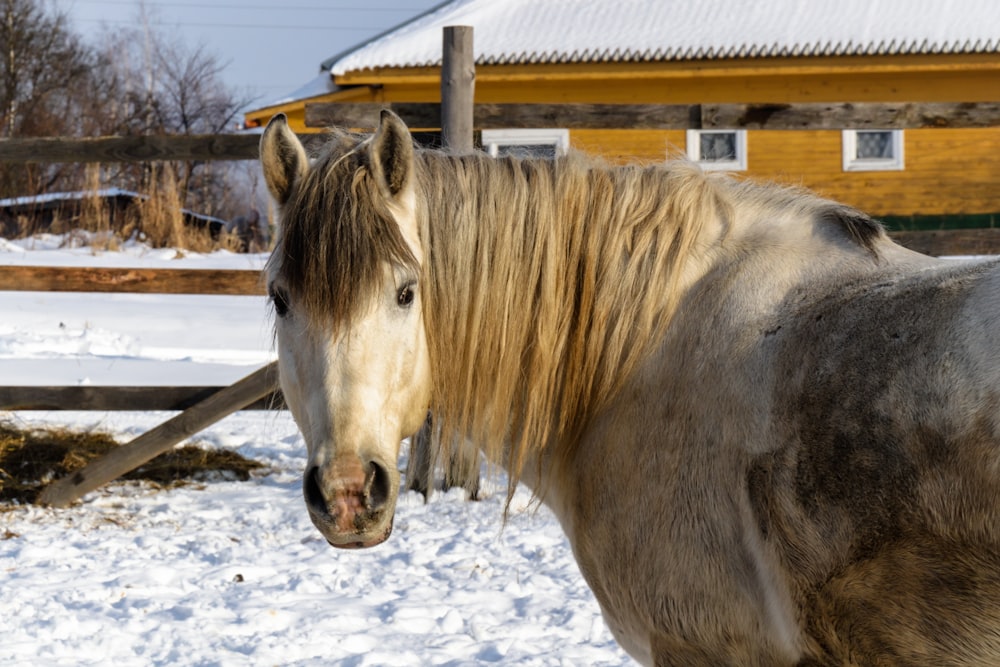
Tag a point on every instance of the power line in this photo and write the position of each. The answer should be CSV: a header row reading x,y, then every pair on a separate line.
x,y
242,7
271,26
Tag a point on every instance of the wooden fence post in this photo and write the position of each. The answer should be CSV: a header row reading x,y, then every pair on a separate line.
x,y
158,440
458,84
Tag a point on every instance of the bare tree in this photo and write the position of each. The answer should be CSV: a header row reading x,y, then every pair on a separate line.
x,y
40,57
155,85
131,80
195,101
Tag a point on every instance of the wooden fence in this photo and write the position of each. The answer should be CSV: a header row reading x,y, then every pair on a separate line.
x,y
245,147
199,406
972,241
128,280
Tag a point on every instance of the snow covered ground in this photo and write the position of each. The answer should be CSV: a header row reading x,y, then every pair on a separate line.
x,y
233,573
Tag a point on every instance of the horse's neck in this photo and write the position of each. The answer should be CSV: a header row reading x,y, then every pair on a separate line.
x,y
543,302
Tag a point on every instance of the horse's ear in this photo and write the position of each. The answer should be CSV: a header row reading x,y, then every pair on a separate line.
x,y
282,158
392,153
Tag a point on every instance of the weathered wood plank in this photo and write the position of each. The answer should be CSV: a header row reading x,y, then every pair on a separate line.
x,y
365,116
856,116
113,399
950,242
199,148
131,149
594,116
492,116
231,282
489,116
674,117
156,441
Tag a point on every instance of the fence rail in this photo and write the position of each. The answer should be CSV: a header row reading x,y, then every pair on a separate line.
x,y
119,399
119,461
131,149
229,282
173,147
951,242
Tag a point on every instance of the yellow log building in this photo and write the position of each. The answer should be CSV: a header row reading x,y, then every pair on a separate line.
x,y
722,51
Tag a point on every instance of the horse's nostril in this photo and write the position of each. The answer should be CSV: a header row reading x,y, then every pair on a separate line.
x,y
313,494
377,486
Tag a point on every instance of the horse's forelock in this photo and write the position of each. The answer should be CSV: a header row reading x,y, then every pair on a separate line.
x,y
337,235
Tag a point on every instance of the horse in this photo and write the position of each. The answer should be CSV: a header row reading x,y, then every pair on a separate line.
x,y
770,434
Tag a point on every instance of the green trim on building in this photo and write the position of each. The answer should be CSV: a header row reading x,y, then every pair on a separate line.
x,y
923,223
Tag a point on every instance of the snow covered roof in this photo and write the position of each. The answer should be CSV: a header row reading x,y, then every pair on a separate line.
x,y
558,31
318,86
54,197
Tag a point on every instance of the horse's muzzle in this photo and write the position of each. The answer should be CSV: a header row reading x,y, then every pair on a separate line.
x,y
351,503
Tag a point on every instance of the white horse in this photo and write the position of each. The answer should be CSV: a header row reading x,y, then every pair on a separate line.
x,y
770,434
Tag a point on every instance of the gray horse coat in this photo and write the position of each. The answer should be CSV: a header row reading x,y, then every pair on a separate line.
x,y
770,433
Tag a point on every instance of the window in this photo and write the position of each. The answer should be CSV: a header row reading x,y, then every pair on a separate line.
x,y
718,149
526,143
873,150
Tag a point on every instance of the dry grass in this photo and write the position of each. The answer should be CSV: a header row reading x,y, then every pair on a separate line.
x,y
31,459
95,216
160,222
156,219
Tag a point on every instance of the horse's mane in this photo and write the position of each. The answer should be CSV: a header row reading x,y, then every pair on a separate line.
x,y
545,282
550,280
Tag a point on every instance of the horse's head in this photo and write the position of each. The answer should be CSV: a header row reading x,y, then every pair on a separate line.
x,y
345,283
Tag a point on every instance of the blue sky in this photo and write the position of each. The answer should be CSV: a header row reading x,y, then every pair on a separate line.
x,y
269,48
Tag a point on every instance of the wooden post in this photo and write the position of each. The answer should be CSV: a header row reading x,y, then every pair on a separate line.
x,y
458,85
132,455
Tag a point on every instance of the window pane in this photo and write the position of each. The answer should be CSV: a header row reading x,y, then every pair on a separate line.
x,y
874,145
527,150
718,146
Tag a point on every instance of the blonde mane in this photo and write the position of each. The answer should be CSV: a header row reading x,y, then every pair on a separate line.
x,y
545,282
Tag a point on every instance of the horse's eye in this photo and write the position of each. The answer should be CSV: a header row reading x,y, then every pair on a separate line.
x,y
405,296
280,300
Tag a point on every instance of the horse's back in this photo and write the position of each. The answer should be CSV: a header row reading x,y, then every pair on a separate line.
x,y
882,492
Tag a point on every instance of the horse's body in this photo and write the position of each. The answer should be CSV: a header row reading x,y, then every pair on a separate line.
x,y
770,434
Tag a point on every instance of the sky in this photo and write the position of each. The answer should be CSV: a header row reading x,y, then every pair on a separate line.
x,y
268,47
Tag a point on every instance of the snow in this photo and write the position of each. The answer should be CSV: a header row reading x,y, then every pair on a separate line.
x,y
557,31
233,573
320,85
60,196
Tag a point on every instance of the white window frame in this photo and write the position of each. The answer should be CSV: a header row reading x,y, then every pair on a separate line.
x,y
493,139
693,140
849,142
